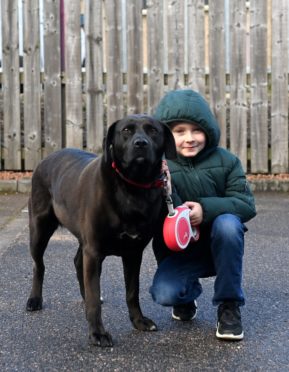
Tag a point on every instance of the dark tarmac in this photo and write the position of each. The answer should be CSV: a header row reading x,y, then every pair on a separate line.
x,y
55,339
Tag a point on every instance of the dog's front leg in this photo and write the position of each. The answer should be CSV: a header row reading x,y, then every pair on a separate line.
x,y
92,270
131,266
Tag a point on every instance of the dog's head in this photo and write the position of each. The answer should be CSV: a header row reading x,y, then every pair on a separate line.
x,y
137,144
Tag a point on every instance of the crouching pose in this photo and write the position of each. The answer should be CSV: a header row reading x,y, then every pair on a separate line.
x,y
211,182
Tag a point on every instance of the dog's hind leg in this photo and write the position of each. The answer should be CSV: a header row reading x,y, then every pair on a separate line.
x,y
78,263
41,228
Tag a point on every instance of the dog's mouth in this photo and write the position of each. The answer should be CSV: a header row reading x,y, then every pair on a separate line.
x,y
140,159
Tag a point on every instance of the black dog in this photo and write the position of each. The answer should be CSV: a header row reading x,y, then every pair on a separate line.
x,y
110,204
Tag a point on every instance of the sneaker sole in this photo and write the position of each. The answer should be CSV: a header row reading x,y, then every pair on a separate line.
x,y
187,320
229,336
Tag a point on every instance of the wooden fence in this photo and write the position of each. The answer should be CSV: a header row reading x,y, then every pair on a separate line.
x,y
235,53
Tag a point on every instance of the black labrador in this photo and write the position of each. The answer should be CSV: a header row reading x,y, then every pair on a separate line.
x,y
110,203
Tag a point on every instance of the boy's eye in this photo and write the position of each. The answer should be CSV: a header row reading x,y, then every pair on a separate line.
x,y
179,131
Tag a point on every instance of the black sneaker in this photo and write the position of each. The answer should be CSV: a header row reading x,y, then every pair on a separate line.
x,y
185,312
229,326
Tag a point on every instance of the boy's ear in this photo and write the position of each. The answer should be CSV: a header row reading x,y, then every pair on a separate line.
x,y
170,145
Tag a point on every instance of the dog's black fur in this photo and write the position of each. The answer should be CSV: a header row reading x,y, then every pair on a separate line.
x,y
111,211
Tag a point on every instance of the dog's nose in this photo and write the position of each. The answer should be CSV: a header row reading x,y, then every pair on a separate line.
x,y
140,142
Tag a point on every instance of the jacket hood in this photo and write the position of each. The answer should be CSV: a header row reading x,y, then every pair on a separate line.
x,y
189,106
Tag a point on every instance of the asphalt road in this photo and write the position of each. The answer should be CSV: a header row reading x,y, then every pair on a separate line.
x,y
55,339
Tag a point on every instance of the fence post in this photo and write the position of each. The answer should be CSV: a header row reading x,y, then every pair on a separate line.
x,y
134,57
155,11
11,85
53,136
73,78
259,86
238,94
115,108
196,45
32,87
94,75
175,47
279,101
217,79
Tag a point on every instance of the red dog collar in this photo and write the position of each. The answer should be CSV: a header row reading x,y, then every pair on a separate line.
x,y
159,183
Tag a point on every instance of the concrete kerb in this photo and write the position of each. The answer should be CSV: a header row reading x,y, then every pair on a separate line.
x,y
259,185
263,185
22,185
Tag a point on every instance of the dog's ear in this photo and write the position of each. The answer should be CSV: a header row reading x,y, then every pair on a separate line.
x,y
170,145
108,143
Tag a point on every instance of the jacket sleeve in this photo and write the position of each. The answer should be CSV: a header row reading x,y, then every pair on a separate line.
x,y
237,199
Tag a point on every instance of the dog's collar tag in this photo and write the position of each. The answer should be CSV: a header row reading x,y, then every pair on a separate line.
x,y
159,183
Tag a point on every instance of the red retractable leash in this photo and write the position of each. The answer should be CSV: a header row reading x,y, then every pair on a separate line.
x,y
177,229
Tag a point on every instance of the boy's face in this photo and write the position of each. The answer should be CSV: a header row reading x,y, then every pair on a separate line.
x,y
189,138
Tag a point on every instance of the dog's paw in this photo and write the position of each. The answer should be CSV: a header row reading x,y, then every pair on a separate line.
x,y
34,303
144,324
102,340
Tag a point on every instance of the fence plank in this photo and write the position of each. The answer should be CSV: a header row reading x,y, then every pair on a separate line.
x,y
217,79
115,109
94,75
134,57
32,87
238,99
259,95
155,48
11,85
279,101
175,47
53,138
73,77
196,45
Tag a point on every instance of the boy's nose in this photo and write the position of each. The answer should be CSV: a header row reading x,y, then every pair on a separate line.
x,y
189,137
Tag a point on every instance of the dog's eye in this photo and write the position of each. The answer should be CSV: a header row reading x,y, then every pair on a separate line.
x,y
127,130
151,130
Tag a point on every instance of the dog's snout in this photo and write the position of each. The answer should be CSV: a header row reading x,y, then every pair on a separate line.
x,y
140,142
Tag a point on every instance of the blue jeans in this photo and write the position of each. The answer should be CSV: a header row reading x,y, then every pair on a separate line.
x,y
219,252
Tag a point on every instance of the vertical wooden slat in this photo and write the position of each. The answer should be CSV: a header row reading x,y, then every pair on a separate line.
x,y
32,87
155,53
11,82
238,99
259,95
217,79
73,78
279,102
196,45
113,28
94,75
134,57
175,24
52,78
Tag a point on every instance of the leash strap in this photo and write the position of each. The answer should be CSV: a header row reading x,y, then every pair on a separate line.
x,y
168,197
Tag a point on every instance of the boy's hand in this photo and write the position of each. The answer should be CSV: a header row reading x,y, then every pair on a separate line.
x,y
196,213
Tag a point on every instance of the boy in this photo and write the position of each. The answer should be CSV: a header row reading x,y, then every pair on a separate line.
x,y
211,182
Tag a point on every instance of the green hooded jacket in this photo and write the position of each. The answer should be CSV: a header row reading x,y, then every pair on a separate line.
x,y
214,177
